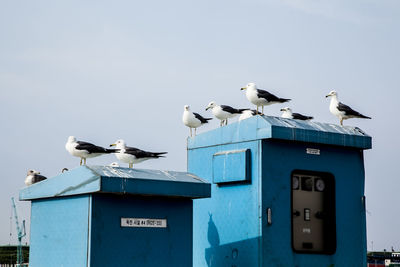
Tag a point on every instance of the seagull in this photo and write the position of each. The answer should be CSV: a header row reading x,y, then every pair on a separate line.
x,y
342,111
85,150
33,177
193,119
288,114
247,113
261,97
133,155
223,112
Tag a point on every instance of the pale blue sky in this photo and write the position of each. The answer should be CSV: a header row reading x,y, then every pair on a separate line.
x,y
124,69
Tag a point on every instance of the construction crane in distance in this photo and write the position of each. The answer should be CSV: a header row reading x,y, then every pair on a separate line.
x,y
20,234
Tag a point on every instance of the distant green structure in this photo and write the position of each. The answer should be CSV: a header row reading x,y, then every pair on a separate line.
x,y
8,254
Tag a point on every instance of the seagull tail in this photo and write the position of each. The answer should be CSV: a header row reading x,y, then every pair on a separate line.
x,y
159,154
310,117
205,120
364,117
283,100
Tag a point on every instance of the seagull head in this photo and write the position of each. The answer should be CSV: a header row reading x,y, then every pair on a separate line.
x,y
71,139
30,172
211,105
331,93
186,108
286,109
249,86
119,144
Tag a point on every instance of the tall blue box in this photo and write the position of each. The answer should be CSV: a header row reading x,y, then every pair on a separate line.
x,y
284,193
105,216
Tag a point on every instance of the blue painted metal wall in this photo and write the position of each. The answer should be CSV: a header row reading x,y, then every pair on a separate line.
x,y
347,166
76,217
227,226
59,232
113,245
230,228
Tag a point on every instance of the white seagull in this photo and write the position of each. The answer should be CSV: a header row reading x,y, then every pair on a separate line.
x,y
223,112
132,155
261,97
85,150
33,177
247,113
342,111
288,114
193,119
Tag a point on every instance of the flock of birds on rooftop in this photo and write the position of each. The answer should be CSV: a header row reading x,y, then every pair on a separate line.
x,y
193,120
85,150
261,98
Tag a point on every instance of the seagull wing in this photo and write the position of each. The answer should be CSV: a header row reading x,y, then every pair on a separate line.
x,y
38,178
231,110
349,111
138,153
270,97
299,116
90,148
201,118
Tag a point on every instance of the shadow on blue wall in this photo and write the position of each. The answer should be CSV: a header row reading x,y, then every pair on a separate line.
x,y
234,254
212,233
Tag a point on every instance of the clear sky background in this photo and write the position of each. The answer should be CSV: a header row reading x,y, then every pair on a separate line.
x,y
105,70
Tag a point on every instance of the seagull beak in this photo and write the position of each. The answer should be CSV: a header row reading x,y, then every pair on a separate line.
x,y
207,108
328,95
282,109
113,145
243,88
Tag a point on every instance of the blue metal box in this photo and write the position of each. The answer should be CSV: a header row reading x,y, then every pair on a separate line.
x,y
294,198
105,216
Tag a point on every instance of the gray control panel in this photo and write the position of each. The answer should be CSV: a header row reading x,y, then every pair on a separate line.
x,y
313,212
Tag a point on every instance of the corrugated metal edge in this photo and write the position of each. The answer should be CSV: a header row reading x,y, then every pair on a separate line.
x,y
266,127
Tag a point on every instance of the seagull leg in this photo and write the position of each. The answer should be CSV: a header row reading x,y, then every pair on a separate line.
x,y
257,111
190,132
226,121
262,112
341,121
80,162
84,161
131,165
195,131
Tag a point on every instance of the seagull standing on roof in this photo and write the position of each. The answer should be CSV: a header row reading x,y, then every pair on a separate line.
x,y
223,112
288,114
193,119
85,150
342,111
132,155
261,97
247,113
33,177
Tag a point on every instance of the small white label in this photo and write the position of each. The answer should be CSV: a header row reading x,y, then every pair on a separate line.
x,y
313,151
144,222
306,230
